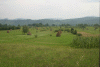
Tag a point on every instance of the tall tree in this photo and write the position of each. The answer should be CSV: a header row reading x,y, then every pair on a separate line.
x,y
25,29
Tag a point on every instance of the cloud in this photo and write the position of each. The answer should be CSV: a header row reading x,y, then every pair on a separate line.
x,y
39,9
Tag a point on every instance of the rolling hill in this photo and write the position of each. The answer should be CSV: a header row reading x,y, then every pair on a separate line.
x,y
84,20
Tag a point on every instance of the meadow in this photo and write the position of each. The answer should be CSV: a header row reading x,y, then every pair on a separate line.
x,y
19,50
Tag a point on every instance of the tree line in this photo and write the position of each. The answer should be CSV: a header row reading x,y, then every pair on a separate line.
x,y
8,27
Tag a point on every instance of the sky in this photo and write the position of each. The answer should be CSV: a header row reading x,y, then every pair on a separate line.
x,y
42,9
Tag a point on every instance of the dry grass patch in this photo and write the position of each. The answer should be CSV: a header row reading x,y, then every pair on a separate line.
x,y
88,34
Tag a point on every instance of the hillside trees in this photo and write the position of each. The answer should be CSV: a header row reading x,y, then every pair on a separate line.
x,y
96,26
82,26
53,25
46,24
36,24
18,27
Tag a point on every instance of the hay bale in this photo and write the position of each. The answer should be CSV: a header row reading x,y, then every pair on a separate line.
x,y
58,34
29,33
7,31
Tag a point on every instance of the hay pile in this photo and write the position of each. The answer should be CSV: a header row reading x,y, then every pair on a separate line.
x,y
29,33
7,31
58,33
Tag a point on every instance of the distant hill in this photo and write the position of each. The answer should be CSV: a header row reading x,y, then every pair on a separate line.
x,y
84,20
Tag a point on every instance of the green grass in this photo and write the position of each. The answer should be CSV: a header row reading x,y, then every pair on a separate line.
x,y
18,50
30,55
90,30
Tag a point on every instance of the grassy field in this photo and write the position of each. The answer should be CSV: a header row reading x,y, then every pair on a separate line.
x,y
90,30
18,50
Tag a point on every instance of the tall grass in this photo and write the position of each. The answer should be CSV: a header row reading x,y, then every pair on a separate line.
x,y
85,42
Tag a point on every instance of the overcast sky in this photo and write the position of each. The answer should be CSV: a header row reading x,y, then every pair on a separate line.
x,y
40,9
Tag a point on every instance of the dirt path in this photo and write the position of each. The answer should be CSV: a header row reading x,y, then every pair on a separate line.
x,y
88,34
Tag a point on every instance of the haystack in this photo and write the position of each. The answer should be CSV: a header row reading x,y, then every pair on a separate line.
x,y
58,34
7,31
29,33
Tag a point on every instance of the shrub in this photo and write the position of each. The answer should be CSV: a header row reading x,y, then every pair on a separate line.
x,y
79,34
85,42
72,29
96,27
61,29
58,34
35,36
56,30
50,34
74,32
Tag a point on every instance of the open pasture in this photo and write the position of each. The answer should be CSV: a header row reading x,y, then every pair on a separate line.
x,y
19,50
89,30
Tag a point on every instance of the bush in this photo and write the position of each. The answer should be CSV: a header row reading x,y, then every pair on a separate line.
x,y
72,29
79,34
56,30
85,42
67,30
61,29
35,36
74,32
50,34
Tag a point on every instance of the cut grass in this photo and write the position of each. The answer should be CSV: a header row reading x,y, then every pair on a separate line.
x,y
17,50
24,55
